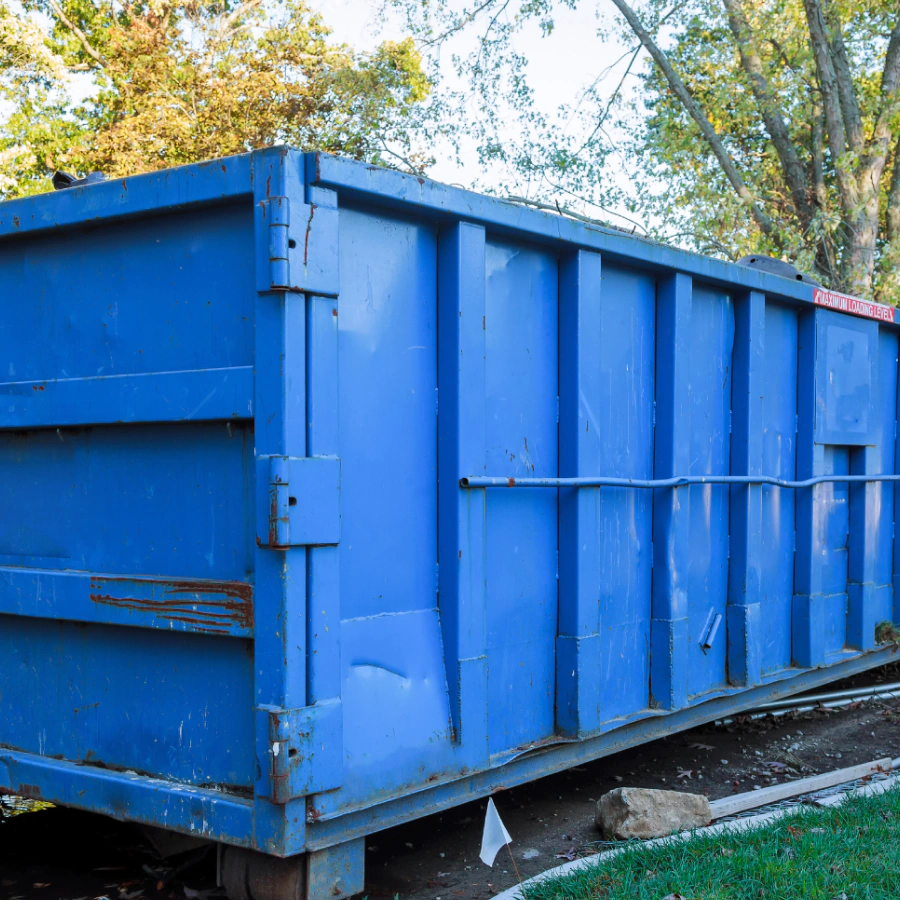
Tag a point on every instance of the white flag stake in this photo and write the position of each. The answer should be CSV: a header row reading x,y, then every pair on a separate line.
x,y
495,835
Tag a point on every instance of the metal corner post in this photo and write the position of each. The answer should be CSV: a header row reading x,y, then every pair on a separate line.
x,y
297,498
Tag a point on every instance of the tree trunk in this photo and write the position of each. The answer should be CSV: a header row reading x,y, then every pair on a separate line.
x,y
861,233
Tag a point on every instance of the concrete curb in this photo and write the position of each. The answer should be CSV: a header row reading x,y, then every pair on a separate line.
x,y
747,824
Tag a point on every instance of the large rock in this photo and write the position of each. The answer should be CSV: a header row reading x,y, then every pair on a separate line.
x,y
643,813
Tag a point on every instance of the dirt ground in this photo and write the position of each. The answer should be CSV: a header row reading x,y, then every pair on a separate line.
x,y
61,854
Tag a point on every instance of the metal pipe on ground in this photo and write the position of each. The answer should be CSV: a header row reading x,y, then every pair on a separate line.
x,y
817,701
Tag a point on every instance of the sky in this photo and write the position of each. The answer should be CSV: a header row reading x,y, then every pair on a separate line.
x,y
560,66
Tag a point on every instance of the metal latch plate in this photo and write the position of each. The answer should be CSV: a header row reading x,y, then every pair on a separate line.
x,y
306,749
304,501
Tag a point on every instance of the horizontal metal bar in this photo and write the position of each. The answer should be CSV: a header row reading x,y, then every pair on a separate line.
x,y
387,187
200,812
198,606
190,396
153,193
592,481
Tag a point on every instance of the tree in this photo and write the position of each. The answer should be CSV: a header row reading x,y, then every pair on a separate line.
x,y
762,126
167,82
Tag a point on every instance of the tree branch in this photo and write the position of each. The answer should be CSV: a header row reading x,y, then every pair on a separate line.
x,y
794,174
693,108
890,79
82,37
236,14
817,152
572,214
459,25
856,137
831,104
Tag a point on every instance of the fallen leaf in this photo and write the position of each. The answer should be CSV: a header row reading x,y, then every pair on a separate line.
x,y
684,774
566,854
795,832
701,747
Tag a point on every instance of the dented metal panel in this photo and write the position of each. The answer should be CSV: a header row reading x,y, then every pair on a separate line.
x,y
333,497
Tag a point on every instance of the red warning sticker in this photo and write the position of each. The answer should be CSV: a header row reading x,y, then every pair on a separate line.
x,y
846,303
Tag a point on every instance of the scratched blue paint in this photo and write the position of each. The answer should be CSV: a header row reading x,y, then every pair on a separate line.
x,y
188,636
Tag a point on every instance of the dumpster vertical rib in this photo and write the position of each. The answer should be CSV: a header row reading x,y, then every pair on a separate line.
x,y
578,640
462,513
323,582
808,609
280,430
671,506
745,573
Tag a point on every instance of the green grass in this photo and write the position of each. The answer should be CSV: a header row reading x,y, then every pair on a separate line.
x,y
852,851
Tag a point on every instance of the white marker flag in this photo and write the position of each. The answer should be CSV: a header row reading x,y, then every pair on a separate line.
x,y
495,835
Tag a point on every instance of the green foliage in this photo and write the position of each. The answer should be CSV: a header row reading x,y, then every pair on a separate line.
x,y
168,82
642,152
852,850
696,202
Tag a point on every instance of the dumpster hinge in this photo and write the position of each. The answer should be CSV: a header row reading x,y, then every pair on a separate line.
x,y
304,501
301,243
306,749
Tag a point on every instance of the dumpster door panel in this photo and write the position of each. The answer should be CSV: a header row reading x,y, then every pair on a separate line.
x,y
179,706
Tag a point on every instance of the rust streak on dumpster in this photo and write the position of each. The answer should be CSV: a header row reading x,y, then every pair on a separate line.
x,y
212,606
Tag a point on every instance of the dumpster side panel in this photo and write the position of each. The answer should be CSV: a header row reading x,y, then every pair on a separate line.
x,y
388,414
712,342
779,459
394,685
521,373
621,413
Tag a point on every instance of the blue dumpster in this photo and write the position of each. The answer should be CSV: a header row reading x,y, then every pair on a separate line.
x,y
333,497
